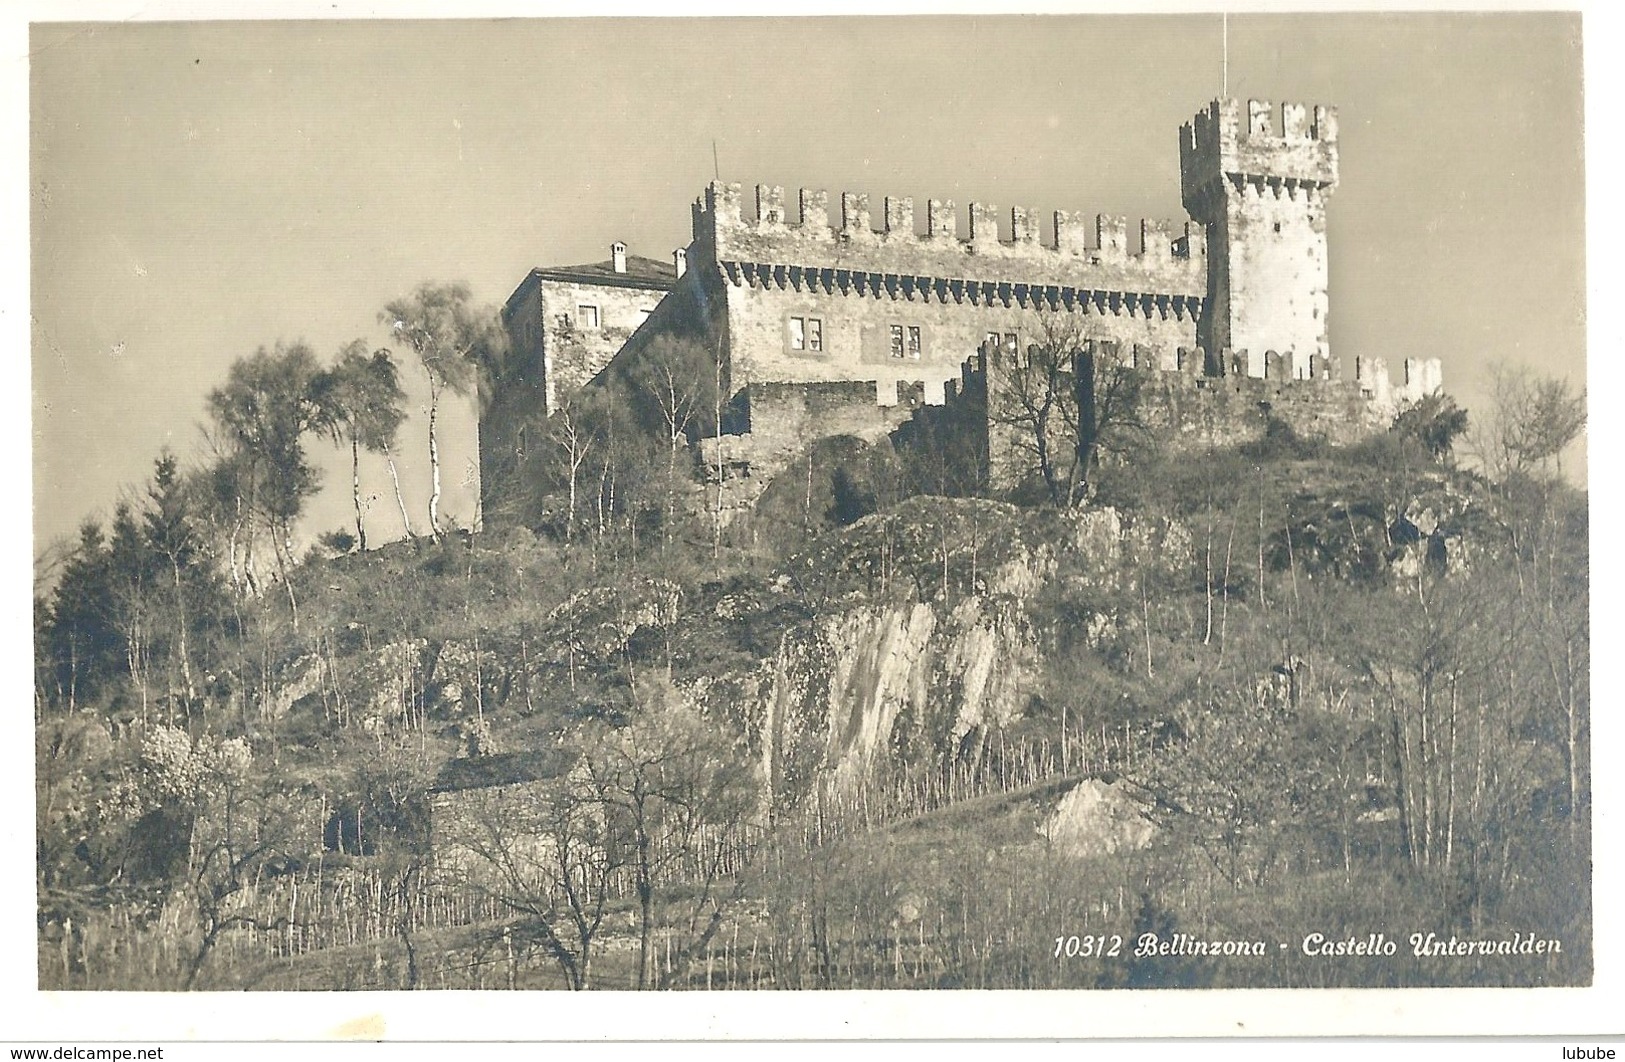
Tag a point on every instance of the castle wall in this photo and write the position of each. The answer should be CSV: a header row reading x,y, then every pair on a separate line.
x,y
1197,413
781,419
1187,412
784,418
857,341
576,351
513,404
1088,254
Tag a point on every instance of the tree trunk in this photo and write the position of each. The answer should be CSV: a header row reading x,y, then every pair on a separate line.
x,y
434,467
355,493
1083,373
279,546
400,499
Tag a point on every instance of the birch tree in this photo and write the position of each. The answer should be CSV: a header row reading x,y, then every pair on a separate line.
x,y
362,397
453,340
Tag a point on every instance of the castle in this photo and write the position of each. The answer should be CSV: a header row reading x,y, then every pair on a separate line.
x,y
825,325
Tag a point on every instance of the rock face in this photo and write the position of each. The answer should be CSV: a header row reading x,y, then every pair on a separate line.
x,y
928,644
873,686
906,641
374,689
1098,818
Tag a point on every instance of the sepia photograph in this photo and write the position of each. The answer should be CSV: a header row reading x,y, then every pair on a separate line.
x,y
900,504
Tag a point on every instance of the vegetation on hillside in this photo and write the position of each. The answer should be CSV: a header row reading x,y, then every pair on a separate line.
x,y
1335,691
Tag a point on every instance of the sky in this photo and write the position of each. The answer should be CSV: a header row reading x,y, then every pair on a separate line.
x,y
202,189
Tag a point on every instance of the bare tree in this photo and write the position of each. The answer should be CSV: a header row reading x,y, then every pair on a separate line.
x,y
673,374
573,440
674,790
1531,420
1064,399
543,851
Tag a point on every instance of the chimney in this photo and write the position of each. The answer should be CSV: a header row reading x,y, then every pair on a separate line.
x,y
679,258
617,255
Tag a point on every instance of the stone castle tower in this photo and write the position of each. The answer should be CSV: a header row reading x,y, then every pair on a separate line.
x,y
1261,192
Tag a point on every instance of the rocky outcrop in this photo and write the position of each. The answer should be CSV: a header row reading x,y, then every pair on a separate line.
x,y
1098,818
873,686
370,691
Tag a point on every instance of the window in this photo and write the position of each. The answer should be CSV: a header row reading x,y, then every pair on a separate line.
x,y
1012,350
906,341
991,341
587,316
807,333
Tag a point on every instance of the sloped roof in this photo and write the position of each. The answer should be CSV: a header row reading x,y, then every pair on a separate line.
x,y
640,272
508,768
647,274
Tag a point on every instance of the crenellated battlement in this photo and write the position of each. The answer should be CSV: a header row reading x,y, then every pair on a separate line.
x,y
1193,401
1290,150
1423,377
999,246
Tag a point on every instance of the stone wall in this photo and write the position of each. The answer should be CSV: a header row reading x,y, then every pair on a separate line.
x,y
575,351
857,338
1198,413
771,423
1187,411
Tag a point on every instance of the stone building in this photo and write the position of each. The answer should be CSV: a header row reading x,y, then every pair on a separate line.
x,y
564,324
826,322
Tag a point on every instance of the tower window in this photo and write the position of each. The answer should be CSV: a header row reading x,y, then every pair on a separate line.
x,y
896,341
815,334
587,316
